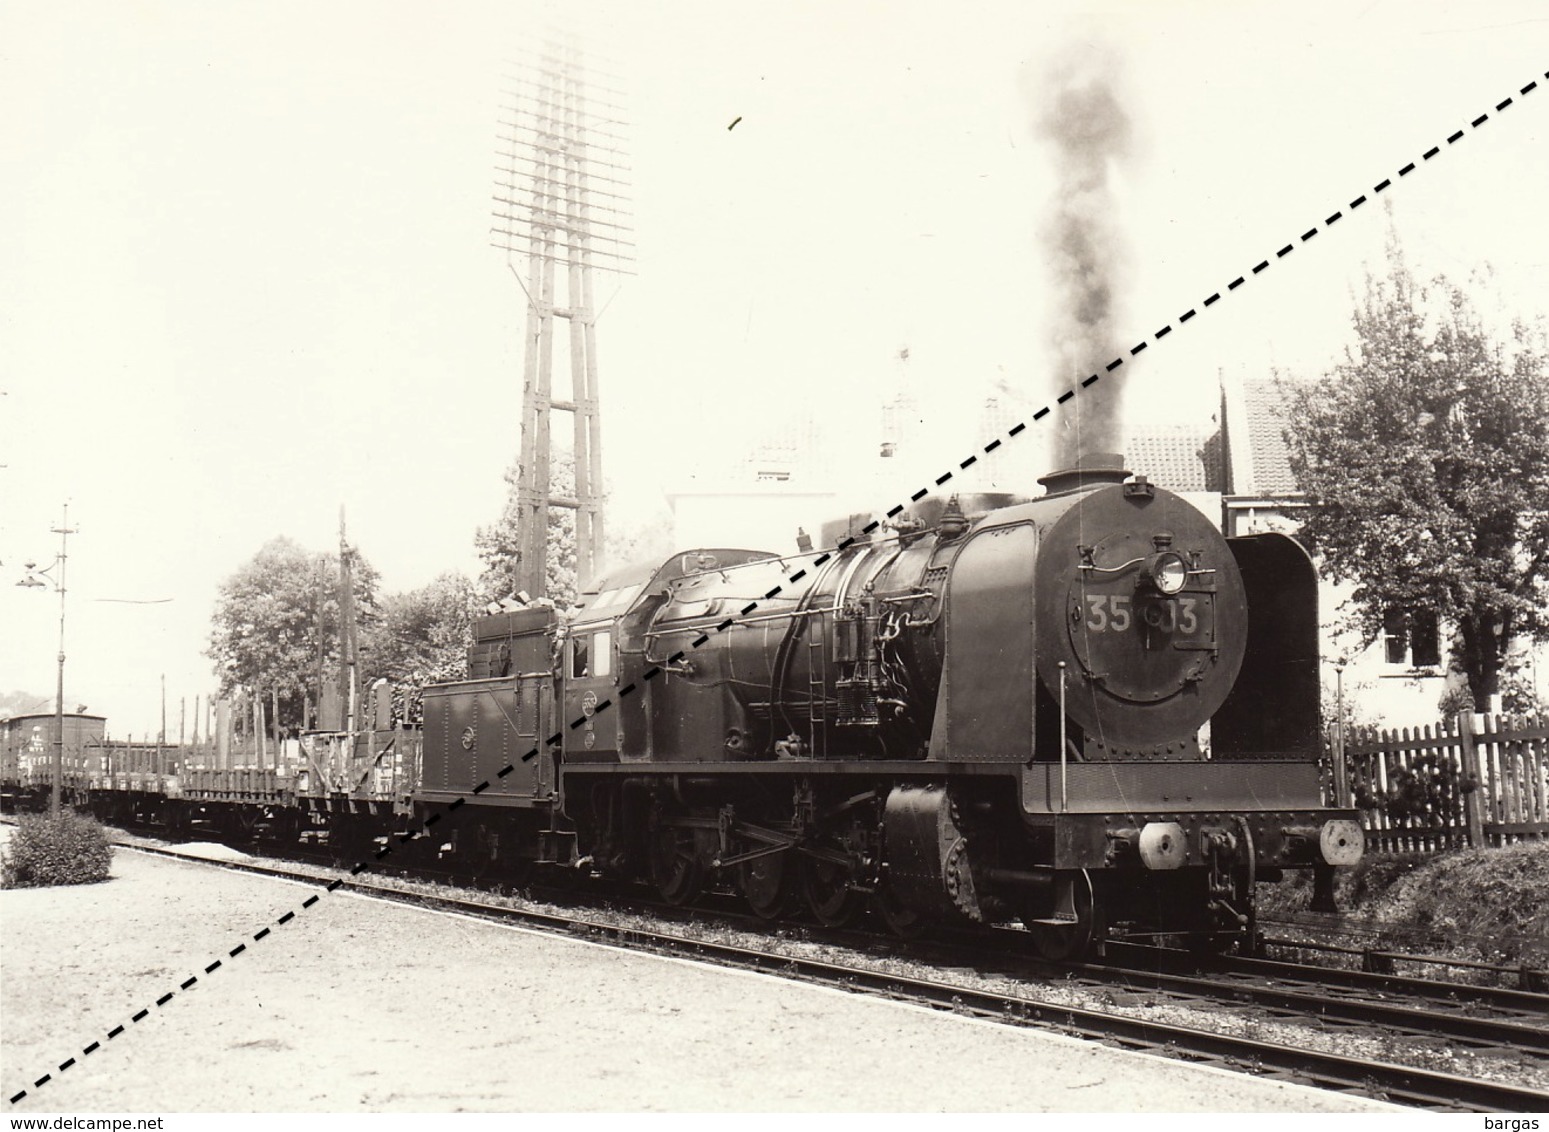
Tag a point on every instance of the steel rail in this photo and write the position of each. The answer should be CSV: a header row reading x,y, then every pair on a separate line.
x,y
1397,1083
1529,1004
1413,939
1483,1032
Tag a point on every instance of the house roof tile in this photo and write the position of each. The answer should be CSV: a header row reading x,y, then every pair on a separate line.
x,y
1264,405
1179,458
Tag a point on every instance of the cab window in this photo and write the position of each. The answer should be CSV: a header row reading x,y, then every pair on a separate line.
x,y
602,653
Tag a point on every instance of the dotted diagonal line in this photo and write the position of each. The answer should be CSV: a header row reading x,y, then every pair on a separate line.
x,y
656,670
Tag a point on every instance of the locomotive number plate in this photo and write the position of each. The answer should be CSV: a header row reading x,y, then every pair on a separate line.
x,y
1186,621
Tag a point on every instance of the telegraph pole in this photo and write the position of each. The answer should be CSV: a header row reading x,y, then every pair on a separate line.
x,y
316,721
64,531
35,578
561,202
348,644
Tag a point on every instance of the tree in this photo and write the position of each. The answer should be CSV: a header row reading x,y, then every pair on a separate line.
x,y
25,703
1425,459
421,637
500,547
639,536
275,616
628,539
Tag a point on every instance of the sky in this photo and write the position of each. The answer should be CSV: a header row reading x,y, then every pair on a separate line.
x,y
246,275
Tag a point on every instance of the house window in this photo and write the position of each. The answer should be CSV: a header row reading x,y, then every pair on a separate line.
x,y
1424,640
1395,635
1411,637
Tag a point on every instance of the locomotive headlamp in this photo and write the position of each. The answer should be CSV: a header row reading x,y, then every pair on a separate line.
x,y
1167,571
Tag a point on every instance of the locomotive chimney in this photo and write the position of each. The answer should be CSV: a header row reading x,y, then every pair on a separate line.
x,y
1090,470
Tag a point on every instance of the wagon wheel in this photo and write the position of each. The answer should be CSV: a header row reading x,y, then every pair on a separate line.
x,y
768,885
1062,941
675,866
289,828
246,823
830,898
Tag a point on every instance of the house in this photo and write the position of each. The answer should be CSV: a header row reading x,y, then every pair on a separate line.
x,y
759,495
1399,679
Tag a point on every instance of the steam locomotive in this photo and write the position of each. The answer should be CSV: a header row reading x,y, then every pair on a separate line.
x,y
1087,711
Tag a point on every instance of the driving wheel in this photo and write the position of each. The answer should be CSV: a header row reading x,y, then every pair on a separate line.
x,y
901,920
830,898
675,866
1059,941
766,884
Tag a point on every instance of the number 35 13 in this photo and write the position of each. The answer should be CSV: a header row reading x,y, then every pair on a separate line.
x,y
1116,613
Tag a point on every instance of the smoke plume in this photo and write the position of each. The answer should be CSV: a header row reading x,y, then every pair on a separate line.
x,y
1078,111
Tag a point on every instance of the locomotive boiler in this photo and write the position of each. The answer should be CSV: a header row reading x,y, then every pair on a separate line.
x,y
1088,711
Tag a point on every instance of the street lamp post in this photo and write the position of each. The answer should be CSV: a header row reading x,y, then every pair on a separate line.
x,y
35,578
1341,770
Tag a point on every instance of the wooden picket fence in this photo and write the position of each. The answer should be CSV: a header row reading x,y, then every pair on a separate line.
x,y
1473,780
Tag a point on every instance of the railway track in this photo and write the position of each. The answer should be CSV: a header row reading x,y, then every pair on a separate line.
x,y
1474,1017
1427,1010
1479,1018
1373,948
1529,1009
1506,1032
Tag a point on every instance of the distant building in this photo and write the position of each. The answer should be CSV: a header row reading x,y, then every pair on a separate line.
x,y
27,742
805,470
758,496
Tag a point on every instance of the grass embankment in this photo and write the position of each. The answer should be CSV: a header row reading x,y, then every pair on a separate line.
x,y
1486,904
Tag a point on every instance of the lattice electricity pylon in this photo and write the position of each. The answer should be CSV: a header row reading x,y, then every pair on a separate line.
x,y
559,204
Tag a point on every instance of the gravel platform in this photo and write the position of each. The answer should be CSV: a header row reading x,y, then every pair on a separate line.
x,y
360,1005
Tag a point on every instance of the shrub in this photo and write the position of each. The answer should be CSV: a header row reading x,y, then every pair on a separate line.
x,y
69,849
1489,901
1491,897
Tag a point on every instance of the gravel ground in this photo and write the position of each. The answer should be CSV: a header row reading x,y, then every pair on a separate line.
x,y
359,1005
1237,1019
